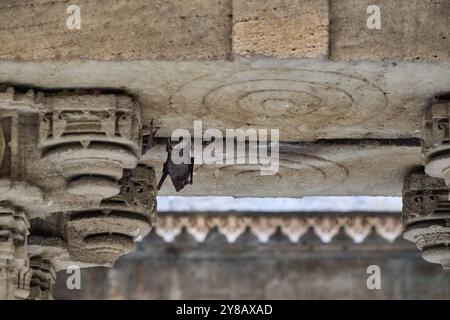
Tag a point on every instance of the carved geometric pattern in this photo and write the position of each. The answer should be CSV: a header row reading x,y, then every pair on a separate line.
x,y
13,187
84,140
436,126
264,227
91,138
426,216
8,141
15,275
278,97
99,235
4,144
436,139
424,197
42,280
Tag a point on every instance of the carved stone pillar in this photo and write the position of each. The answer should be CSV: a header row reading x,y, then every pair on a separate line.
x,y
14,264
426,217
16,196
69,165
42,280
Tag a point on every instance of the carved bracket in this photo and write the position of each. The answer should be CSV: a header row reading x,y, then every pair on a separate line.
x,y
75,146
15,275
42,280
91,139
100,235
436,139
426,216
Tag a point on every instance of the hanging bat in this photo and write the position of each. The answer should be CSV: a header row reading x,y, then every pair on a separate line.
x,y
180,174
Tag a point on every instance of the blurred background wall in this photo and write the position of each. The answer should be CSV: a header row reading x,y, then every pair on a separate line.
x,y
190,267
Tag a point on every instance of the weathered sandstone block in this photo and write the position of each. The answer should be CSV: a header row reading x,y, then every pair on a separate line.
x,y
280,28
410,30
115,29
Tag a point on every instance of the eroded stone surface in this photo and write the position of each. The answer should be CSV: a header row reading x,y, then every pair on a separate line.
x,y
88,233
44,276
281,28
307,100
15,274
435,138
410,30
212,29
48,140
111,30
426,217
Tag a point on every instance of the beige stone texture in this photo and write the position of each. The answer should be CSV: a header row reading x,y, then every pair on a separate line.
x,y
72,122
309,99
410,30
114,29
280,28
311,169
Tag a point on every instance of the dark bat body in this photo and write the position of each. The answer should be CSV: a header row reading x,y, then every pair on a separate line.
x,y
180,174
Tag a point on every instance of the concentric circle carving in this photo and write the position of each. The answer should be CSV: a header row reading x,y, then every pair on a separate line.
x,y
284,98
306,173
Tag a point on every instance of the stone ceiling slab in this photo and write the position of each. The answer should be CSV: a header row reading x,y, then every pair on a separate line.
x,y
310,169
305,99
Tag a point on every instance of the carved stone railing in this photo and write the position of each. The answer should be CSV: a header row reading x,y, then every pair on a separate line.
x,y
264,226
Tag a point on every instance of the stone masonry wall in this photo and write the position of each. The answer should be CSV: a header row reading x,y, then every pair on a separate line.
x,y
219,29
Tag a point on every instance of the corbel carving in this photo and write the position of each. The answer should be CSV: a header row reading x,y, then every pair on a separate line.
x,y
42,280
91,138
15,274
100,235
436,138
426,217
89,143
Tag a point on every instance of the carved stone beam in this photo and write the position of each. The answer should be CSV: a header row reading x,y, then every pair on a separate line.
x,y
426,217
